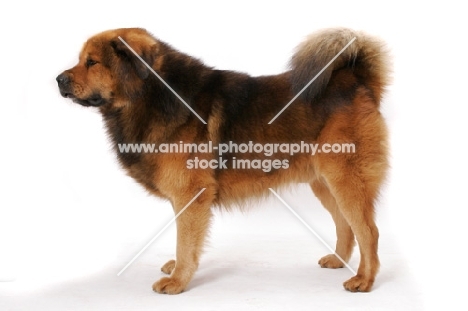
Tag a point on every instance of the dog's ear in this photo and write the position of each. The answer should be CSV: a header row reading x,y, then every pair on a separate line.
x,y
127,54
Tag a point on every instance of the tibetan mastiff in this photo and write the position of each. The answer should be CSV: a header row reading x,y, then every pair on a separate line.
x,y
150,93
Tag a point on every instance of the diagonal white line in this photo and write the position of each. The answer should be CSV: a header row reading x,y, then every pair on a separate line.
x,y
313,79
159,77
312,230
161,231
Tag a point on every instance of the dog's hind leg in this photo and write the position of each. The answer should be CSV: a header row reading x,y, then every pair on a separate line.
x,y
355,201
354,177
345,236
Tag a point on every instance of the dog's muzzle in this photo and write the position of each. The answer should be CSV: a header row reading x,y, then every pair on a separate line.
x,y
63,81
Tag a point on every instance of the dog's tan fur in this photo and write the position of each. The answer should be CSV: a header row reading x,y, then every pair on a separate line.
x,y
341,106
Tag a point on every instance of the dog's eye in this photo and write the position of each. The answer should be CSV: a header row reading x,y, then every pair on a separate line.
x,y
90,63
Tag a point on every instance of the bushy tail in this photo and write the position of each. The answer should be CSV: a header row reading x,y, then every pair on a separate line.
x,y
367,57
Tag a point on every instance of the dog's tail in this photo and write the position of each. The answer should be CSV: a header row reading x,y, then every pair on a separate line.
x,y
366,56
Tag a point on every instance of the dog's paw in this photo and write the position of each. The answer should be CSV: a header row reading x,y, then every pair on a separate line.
x,y
331,262
168,285
168,267
358,283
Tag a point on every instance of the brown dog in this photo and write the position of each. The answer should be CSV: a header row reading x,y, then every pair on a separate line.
x,y
340,106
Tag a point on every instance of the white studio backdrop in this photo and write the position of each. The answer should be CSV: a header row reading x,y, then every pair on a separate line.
x,y
67,210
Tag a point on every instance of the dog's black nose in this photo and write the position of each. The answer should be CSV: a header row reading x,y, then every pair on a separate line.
x,y
63,79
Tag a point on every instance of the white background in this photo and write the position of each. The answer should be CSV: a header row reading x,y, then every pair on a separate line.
x,y
70,219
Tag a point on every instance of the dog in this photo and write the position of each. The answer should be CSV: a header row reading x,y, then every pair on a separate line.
x,y
149,92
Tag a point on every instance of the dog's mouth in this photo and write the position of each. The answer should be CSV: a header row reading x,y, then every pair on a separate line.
x,y
92,101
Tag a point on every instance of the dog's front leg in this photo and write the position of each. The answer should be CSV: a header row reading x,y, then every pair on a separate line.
x,y
192,228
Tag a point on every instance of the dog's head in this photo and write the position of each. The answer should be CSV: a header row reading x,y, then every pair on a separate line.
x,y
108,71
